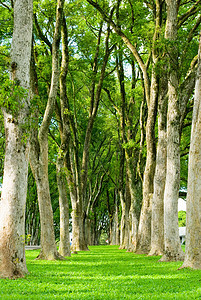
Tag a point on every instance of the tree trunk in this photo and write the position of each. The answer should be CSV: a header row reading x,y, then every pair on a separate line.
x,y
39,152
144,230
125,222
78,243
193,217
89,232
13,199
115,223
157,228
64,246
173,251
40,172
134,212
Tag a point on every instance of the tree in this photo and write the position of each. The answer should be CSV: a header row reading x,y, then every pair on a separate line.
x,y
16,122
64,246
32,218
176,105
39,151
193,231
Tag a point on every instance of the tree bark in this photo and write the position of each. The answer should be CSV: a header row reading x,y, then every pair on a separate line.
x,y
157,222
79,242
193,227
13,199
40,171
173,251
64,246
144,230
124,232
134,212
114,237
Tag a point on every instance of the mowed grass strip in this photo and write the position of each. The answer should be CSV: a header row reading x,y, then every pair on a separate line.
x,y
104,272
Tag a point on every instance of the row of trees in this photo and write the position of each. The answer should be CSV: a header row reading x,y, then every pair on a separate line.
x,y
106,102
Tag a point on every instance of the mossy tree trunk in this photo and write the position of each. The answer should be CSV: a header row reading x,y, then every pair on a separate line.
x,y
39,152
173,251
193,207
16,122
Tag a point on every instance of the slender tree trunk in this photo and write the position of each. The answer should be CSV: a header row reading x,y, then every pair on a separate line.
x,y
13,198
134,212
72,176
173,251
64,246
40,171
39,152
89,232
124,199
113,233
144,230
115,223
131,164
193,217
117,226
125,222
122,224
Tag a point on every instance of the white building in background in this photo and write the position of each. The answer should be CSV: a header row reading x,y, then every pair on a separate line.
x,y
182,234
182,230
181,204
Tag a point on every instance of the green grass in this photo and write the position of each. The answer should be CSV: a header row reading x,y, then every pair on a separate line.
x,y
103,273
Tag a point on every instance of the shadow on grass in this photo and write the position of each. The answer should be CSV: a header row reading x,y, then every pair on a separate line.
x,y
103,273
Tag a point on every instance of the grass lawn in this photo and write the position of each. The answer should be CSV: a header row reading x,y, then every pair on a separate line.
x,y
103,273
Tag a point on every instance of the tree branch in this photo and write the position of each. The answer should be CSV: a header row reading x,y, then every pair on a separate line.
x,y
128,44
40,33
189,13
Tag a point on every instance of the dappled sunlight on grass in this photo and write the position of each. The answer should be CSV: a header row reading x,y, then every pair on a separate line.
x,y
103,273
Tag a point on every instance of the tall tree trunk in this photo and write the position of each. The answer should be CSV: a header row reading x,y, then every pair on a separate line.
x,y
124,196
64,129
144,230
125,222
13,198
134,212
173,251
115,222
122,199
64,246
131,164
157,228
39,152
40,172
193,207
